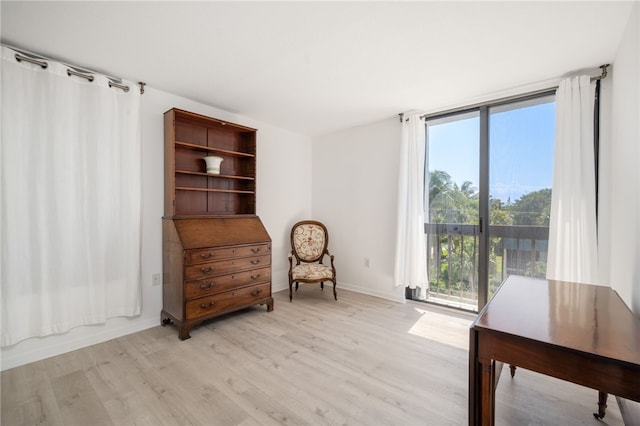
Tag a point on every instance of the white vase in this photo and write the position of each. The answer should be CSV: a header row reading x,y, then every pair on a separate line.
x,y
213,164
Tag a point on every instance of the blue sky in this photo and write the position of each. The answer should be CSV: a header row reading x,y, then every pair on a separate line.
x,y
521,150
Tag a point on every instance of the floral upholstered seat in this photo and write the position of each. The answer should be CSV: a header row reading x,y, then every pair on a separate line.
x,y
309,241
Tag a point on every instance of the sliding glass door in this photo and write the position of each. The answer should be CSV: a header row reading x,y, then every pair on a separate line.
x,y
452,230
521,145
488,184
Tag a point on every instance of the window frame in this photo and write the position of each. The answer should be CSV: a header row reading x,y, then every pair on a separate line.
x,y
483,183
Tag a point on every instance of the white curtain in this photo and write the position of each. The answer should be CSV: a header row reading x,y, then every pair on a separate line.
x,y
70,211
411,257
573,241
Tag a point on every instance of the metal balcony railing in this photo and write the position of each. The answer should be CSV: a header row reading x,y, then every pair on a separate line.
x,y
452,258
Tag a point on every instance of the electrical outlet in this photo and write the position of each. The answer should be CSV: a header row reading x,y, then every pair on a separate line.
x,y
156,279
367,262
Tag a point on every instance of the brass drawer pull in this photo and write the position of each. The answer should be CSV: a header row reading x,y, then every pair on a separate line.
x,y
256,292
207,270
206,286
255,250
254,277
205,306
206,256
255,261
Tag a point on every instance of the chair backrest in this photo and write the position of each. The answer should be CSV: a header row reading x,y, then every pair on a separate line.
x,y
309,240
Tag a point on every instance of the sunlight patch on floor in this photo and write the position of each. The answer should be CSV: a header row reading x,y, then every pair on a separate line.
x,y
447,329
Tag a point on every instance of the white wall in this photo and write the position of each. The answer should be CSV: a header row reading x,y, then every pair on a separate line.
x,y
620,225
283,197
619,207
355,179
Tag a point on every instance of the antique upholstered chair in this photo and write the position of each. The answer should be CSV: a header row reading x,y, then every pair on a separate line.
x,y
309,241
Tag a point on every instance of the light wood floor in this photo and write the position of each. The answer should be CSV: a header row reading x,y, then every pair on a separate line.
x,y
358,361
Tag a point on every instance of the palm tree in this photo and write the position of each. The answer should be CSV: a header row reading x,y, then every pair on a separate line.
x,y
468,189
439,183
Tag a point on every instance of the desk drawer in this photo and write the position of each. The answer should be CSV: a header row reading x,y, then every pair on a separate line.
x,y
213,254
214,285
254,250
227,301
212,269
207,255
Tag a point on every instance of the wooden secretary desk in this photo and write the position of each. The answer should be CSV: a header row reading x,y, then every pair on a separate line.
x,y
216,253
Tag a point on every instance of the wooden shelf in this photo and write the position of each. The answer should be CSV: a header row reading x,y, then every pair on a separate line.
x,y
196,147
228,191
187,172
188,187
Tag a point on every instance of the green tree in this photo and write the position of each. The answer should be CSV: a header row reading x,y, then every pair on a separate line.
x,y
439,183
500,217
499,213
449,203
532,208
469,190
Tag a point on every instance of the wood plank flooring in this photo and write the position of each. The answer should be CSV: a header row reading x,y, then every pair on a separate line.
x,y
358,361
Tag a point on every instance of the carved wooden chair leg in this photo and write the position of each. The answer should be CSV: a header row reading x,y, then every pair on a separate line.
x,y
291,291
321,285
335,295
602,405
513,370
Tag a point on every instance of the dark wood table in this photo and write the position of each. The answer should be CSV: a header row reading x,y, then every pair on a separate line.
x,y
581,333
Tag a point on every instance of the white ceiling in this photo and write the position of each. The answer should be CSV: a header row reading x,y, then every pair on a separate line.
x,y
318,67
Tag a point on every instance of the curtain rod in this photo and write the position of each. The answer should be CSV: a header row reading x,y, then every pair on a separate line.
x,y
507,99
40,60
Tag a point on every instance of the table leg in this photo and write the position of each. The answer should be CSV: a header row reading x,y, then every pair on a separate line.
x,y
602,405
482,384
487,392
474,380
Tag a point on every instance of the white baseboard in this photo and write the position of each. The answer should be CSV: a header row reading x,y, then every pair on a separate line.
x,y
39,348
351,287
279,287
371,292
